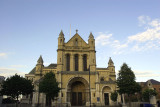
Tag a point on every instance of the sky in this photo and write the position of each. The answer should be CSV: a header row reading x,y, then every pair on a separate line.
x,y
128,31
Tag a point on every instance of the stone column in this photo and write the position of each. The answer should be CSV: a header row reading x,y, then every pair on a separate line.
x,y
88,62
72,62
44,100
123,104
64,63
34,99
153,101
80,66
97,91
60,85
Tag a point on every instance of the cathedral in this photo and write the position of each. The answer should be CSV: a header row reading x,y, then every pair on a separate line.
x,y
77,75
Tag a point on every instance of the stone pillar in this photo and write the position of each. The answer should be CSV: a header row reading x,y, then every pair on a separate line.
x,y
80,65
153,101
44,100
123,104
34,99
88,61
64,63
60,85
72,62
97,91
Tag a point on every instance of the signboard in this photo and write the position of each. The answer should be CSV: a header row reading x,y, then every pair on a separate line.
x,y
98,99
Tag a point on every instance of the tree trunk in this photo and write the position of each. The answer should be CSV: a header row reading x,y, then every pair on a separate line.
x,y
129,96
49,101
17,102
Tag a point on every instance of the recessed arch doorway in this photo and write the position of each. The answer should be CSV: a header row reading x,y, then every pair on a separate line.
x,y
106,90
78,91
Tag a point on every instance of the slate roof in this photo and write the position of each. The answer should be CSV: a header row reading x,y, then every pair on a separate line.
x,y
33,71
51,66
154,82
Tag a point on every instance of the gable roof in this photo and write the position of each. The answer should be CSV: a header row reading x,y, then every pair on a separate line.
x,y
76,36
154,82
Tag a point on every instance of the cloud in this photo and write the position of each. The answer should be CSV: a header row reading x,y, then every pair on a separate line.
x,y
18,66
103,39
148,35
155,23
143,20
149,74
6,72
149,39
46,63
3,55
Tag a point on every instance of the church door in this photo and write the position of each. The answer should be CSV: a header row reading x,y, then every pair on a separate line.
x,y
79,98
77,94
74,98
106,98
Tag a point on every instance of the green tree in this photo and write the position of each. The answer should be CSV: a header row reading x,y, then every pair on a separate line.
x,y
126,82
114,96
148,93
16,85
49,86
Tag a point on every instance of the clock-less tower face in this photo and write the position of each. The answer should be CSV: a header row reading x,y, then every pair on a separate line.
x,y
76,54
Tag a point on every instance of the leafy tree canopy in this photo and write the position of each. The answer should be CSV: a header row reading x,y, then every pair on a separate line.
x,y
148,93
15,86
49,85
126,81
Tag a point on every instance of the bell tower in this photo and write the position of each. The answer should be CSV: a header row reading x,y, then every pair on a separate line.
x,y
60,56
92,52
111,65
111,68
39,67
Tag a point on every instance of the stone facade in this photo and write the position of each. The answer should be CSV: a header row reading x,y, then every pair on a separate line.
x,y
75,59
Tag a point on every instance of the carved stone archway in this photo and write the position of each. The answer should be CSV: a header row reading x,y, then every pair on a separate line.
x,y
77,91
106,91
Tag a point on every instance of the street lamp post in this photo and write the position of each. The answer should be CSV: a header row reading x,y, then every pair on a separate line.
x,y
89,88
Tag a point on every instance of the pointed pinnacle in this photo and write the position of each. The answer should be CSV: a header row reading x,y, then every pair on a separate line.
x,y
110,60
61,33
40,59
91,35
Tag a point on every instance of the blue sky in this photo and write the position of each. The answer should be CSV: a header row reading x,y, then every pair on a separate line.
x,y
126,30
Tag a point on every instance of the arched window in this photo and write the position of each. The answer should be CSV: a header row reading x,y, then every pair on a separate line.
x,y
85,62
67,62
76,62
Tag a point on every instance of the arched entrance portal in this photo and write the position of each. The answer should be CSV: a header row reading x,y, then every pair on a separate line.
x,y
106,95
78,91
